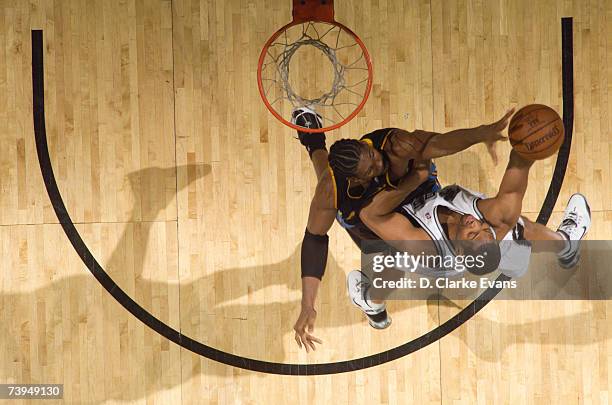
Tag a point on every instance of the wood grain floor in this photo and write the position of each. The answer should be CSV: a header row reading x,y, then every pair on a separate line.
x,y
194,199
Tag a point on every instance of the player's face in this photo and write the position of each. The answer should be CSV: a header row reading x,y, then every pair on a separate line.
x,y
471,228
371,164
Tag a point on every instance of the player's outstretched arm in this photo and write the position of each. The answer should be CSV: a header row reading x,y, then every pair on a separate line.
x,y
314,258
503,210
455,141
424,145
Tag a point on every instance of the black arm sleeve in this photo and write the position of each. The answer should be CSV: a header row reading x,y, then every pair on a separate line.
x,y
314,255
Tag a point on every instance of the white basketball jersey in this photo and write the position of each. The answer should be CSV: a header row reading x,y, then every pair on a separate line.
x,y
424,210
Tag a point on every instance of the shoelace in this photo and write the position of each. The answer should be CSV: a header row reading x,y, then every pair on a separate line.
x,y
366,286
571,220
307,121
360,285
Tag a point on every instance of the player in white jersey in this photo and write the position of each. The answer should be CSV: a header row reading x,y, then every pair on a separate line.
x,y
447,219
425,212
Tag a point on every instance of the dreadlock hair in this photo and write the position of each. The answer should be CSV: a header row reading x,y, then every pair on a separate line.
x,y
344,157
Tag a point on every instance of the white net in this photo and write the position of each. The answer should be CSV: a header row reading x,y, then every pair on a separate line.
x,y
317,65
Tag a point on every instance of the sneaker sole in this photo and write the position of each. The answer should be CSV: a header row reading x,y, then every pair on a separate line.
x,y
384,325
571,264
304,110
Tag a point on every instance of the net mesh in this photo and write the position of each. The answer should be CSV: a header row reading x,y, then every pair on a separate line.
x,y
316,65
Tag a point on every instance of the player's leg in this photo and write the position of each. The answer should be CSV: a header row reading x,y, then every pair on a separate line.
x,y
566,240
314,142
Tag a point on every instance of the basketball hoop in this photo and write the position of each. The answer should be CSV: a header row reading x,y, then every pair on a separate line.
x,y
337,94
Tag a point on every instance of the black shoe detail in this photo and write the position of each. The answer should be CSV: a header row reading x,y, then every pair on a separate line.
x,y
379,317
312,141
569,262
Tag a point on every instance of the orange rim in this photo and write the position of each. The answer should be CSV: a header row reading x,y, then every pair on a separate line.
x,y
352,115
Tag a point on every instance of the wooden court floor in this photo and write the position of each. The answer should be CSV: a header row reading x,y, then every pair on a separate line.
x,y
194,199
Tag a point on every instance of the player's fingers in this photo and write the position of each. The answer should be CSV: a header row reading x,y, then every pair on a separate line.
x,y
302,342
315,339
310,343
504,121
500,138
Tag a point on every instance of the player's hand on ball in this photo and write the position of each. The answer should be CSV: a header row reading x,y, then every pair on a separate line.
x,y
304,327
494,133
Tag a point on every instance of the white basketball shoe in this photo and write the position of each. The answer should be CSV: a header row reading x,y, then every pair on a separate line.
x,y
307,118
358,285
574,226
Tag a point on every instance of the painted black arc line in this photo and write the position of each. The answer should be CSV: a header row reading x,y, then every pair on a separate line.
x,y
258,365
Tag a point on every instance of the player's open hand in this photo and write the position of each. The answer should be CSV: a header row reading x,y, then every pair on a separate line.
x,y
304,327
495,133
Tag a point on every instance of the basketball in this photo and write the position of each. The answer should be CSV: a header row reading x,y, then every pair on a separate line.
x,y
536,132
